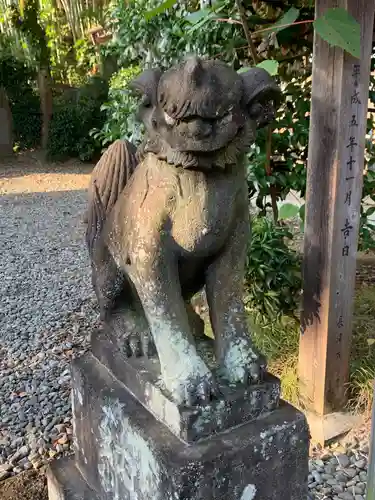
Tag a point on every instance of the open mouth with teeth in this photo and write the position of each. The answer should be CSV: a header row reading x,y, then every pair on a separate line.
x,y
217,159
201,135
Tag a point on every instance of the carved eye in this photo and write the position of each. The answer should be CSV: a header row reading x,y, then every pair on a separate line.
x,y
168,119
255,111
146,101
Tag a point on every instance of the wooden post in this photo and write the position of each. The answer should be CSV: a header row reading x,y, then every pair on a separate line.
x,y
340,86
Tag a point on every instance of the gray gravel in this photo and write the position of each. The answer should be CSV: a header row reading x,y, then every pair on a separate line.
x,y
47,310
340,472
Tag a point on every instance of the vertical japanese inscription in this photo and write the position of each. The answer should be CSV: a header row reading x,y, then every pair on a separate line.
x,y
351,166
351,161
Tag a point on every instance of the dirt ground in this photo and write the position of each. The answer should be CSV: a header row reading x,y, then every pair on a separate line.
x,y
30,173
30,485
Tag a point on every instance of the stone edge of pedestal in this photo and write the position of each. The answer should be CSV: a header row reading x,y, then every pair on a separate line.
x,y
189,424
65,482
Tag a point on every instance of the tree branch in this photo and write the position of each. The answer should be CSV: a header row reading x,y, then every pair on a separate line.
x,y
252,48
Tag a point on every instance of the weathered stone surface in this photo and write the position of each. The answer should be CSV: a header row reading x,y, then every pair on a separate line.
x,y
66,483
181,223
235,405
124,452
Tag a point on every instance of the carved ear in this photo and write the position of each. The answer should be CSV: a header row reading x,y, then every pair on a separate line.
x,y
146,84
261,96
194,69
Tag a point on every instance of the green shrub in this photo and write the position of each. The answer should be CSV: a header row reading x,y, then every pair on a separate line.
x,y
27,120
120,110
17,78
273,272
73,119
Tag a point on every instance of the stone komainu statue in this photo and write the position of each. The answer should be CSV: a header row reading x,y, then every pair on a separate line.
x,y
172,218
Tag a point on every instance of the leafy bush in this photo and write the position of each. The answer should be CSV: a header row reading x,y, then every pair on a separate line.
x,y
72,121
286,148
366,227
273,272
120,109
27,120
161,40
16,77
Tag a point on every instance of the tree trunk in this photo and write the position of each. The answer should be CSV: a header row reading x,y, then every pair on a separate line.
x,y
45,91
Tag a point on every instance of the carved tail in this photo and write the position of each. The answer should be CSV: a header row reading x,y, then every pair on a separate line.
x,y
95,218
108,179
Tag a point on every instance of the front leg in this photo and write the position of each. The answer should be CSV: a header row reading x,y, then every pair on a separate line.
x,y
239,360
156,279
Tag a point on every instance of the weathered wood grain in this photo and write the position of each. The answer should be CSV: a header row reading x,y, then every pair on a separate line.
x,y
334,188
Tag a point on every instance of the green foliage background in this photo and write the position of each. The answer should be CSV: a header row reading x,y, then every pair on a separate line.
x,y
120,110
73,119
17,77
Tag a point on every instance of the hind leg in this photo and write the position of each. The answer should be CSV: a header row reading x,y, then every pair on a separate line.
x,y
120,308
131,326
108,282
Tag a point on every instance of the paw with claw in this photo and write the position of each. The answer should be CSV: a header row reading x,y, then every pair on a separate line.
x,y
133,332
139,345
242,363
190,382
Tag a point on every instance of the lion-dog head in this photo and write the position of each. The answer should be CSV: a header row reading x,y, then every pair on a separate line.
x,y
202,114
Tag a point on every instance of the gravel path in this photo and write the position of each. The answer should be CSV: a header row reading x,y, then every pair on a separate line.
x,y
340,471
47,310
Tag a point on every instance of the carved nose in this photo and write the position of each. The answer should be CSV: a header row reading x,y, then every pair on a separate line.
x,y
201,129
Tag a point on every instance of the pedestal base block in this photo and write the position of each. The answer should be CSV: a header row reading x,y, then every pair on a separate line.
x,y
125,453
65,482
237,405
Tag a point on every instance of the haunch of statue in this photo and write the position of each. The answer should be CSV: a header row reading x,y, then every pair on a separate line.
x,y
179,221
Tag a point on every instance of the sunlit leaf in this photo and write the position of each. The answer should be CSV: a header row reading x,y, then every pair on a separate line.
x,y
160,9
339,28
269,65
243,69
302,212
288,211
197,16
285,21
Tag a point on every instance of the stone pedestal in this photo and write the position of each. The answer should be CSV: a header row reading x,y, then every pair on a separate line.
x,y
133,443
